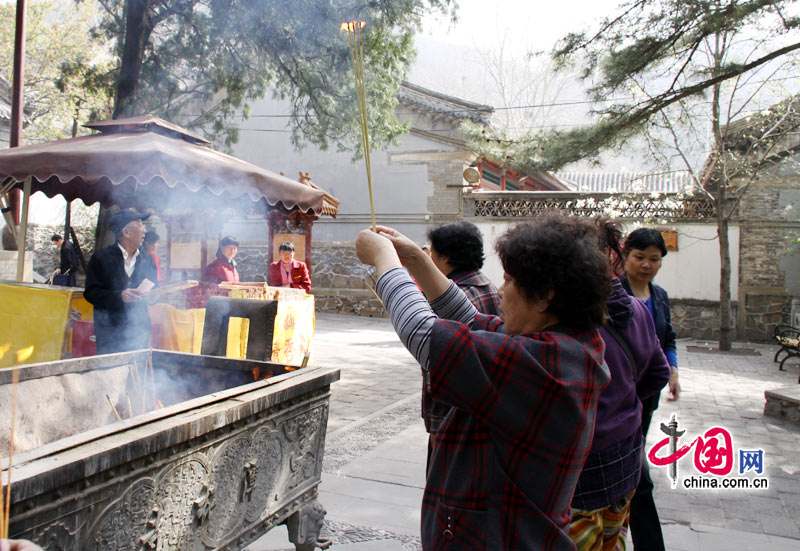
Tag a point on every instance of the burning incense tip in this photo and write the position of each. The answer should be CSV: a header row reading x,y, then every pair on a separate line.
x,y
351,25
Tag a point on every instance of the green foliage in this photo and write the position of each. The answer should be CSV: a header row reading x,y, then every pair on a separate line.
x,y
212,58
57,35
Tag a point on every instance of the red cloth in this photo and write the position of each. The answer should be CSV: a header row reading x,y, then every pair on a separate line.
x,y
300,277
221,270
158,265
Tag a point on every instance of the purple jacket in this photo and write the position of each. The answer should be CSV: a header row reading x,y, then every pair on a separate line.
x,y
619,410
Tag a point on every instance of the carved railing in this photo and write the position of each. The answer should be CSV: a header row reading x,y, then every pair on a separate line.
x,y
522,204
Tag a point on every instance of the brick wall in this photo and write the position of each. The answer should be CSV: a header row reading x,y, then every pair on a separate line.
x,y
338,281
763,284
252,262
697,319
444,203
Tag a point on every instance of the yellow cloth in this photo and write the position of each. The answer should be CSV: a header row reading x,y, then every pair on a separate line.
x,y
33,323
177,330
82,306
294,330
182,330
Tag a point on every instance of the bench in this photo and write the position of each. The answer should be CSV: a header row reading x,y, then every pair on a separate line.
x,y
788,338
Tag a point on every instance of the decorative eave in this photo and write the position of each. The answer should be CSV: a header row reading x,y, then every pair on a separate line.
x,y
450,107
330,204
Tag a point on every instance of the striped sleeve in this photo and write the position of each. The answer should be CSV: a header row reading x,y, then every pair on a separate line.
x,y
409,311
454,305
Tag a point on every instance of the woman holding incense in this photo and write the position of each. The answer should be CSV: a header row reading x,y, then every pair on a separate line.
x,y
523,387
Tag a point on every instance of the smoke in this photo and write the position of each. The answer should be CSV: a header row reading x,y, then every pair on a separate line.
x,y
65,399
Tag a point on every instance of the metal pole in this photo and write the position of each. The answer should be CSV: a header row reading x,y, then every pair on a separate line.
x,y
15,134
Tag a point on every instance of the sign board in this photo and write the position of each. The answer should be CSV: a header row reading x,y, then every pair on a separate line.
x,y
185,251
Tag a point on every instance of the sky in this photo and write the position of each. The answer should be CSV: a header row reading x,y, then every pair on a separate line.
x,y
530,23
451,57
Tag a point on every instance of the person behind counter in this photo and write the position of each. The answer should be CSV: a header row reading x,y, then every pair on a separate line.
x,y
224,267
68,261
288,272
150,245
523,386
115,284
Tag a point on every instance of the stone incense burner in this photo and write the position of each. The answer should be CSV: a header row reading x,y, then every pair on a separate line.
x,y
152,450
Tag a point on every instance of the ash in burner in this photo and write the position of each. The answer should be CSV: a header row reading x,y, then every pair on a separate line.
x,y
66,404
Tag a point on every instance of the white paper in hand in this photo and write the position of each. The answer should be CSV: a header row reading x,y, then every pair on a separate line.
x,y
145,286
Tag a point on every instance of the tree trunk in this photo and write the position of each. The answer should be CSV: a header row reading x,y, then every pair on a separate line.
x,y
725,319
725,325
137,34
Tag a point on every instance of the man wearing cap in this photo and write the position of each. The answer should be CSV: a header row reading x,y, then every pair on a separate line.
x,y
115,285
224,267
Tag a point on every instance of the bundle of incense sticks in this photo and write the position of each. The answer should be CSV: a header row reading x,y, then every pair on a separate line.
x,y
5,501
353,29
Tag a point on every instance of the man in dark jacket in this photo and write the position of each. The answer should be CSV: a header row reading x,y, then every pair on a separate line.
x,y
69,259
115,285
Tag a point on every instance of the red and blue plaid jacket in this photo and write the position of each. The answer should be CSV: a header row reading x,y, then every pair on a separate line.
x,y
507,458
482,293
479,290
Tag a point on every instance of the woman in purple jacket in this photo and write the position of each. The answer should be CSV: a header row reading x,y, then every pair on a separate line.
x,y
601,504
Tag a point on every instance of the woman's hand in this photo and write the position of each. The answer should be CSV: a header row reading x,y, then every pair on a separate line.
x,y
376,250
407,251
18,545
674,385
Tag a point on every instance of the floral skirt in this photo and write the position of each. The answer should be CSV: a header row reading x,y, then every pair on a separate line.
x,y
602,529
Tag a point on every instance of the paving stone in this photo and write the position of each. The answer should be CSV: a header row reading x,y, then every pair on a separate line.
x,y
744,525
778,525
764,504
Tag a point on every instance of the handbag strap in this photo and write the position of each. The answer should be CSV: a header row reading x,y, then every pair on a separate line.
x,y
624,345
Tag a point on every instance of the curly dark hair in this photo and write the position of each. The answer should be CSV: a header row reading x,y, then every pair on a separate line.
x,y
460,243
645,237
560,254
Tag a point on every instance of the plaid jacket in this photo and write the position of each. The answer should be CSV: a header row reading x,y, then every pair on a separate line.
x,y
507,458
483,295
479,290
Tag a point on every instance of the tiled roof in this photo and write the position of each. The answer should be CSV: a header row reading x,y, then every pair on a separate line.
x,y
618,182
435,102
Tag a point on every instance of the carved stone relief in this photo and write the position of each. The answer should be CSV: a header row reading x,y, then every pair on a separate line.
x,y
229,489
123,520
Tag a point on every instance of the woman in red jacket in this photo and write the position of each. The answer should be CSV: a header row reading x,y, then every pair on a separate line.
x,y
224,267
288,272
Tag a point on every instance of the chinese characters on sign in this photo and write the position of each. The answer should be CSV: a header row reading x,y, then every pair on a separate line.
x,y
713,455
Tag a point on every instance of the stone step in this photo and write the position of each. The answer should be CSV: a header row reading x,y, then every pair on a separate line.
x,y
783,403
